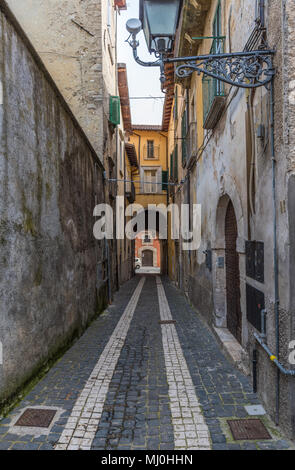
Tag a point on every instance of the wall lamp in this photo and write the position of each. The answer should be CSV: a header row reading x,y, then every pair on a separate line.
x,y
159,20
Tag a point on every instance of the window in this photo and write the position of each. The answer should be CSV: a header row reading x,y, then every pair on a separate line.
x,y
109,13
150,180
213,89
183,137
217,46
174,164
115,108
150,149
164,180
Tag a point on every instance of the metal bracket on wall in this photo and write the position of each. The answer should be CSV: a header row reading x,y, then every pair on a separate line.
x,y
242,69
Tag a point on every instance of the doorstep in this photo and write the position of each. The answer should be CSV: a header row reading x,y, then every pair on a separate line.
x,y
233,349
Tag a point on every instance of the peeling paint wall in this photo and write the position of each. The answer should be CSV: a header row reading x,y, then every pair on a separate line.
x,y
50,180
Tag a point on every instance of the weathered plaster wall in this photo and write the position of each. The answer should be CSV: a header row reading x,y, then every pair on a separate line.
x,y
78,48
222,174
50,179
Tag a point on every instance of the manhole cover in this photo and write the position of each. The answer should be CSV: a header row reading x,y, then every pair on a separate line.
x,y
167,322
35,417
248,429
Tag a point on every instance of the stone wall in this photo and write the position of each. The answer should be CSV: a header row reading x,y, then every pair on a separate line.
x,y
50,179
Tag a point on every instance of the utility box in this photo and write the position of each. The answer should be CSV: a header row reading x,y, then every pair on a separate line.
x,y
255,260
255,303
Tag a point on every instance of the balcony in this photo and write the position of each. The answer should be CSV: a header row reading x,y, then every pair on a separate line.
x,y
151,152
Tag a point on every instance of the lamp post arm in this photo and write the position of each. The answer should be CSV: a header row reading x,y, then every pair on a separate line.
x,y
156,63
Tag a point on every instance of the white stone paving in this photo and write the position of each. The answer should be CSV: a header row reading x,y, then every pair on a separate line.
x,y
82,425
190,429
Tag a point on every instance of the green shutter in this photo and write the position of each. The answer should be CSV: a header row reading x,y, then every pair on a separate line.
x,y
115,110
164,180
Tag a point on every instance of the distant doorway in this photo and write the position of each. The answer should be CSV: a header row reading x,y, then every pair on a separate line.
x,y
233,295
147,258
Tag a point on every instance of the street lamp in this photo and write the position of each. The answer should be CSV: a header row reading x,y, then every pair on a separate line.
x,y
159,20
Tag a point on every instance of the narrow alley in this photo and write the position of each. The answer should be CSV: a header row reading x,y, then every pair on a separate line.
x,y
147,374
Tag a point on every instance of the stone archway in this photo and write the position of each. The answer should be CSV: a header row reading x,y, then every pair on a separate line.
x,y
228,193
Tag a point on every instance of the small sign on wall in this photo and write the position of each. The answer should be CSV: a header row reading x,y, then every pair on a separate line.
x,y
220,262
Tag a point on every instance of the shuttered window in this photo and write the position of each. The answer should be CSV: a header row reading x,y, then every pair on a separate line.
x,y
164,180
115,110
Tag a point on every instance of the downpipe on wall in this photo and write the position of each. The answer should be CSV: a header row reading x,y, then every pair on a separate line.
x,y
275,247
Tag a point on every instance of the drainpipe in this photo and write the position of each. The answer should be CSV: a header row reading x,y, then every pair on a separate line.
x,y
167,163
275,247
262,12
167,193
273,358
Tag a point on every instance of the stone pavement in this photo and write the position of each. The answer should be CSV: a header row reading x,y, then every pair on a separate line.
x,y
131,383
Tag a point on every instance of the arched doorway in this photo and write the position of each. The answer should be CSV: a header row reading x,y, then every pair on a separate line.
x,y
147,258
233,295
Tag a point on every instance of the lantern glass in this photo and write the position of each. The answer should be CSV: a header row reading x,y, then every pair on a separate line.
x,y
159,18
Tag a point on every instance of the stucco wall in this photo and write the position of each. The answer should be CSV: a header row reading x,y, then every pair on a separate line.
x,y
78,49
222,174
50,181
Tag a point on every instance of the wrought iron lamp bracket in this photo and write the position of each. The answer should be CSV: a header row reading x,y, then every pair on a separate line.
x,y
242,69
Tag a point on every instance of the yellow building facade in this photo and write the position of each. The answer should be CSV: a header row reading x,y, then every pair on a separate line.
x,y
151,148
151,188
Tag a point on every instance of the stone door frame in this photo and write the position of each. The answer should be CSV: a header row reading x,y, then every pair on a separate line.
x,y
228,192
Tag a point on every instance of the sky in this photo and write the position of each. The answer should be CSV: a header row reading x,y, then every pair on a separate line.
x,y
142,81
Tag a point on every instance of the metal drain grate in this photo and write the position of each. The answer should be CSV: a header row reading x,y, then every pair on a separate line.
x,y
35,417
167,322
248,429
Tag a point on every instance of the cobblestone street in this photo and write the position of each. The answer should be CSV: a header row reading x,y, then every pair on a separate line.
x,y
131,383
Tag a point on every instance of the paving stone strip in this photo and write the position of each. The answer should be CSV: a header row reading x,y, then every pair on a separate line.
x,y
82,424
190,429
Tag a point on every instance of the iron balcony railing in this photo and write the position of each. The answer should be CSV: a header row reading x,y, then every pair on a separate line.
x,y
151,152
